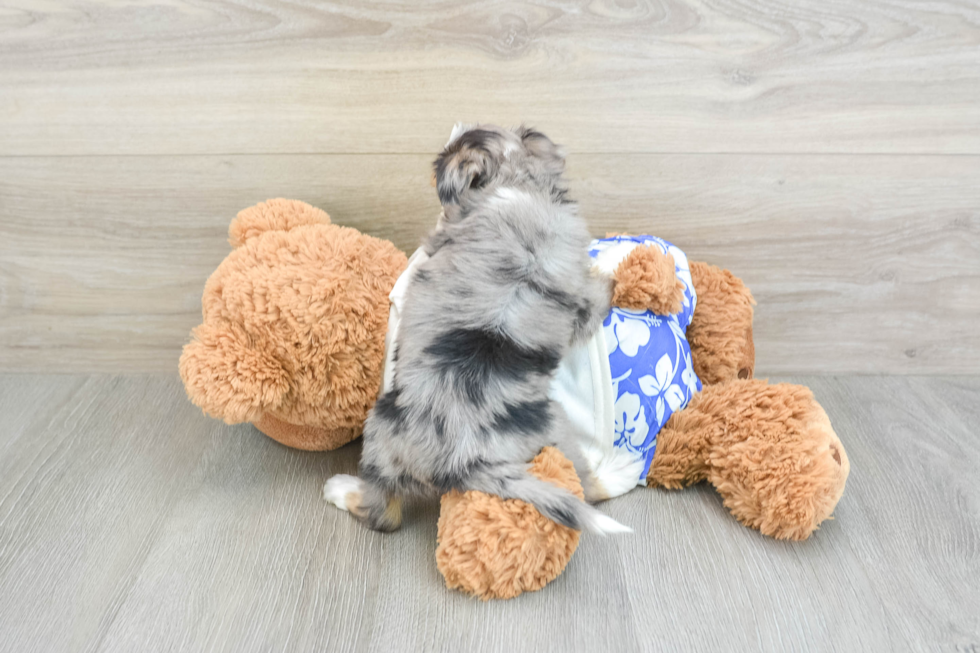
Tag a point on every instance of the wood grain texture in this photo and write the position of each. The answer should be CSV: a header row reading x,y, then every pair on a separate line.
x,y
826,152
128,521
858,263
228,76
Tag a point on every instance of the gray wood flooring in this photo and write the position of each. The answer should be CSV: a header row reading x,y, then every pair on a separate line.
x,y
130,522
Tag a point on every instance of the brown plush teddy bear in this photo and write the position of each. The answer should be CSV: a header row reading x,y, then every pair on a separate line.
x,y
293,340
295,318
769,449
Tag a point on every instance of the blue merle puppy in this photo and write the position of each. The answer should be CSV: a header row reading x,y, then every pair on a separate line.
x,y
504,289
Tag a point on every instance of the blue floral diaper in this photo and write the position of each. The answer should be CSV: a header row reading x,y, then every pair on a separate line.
x,y
649,356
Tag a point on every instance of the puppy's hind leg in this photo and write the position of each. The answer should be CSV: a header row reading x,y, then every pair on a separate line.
x,y
372,505
373,498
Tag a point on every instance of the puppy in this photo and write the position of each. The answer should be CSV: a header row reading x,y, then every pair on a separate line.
x,y
503,290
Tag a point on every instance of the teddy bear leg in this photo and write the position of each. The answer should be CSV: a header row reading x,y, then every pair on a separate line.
x,y
680,459
494,548
769,450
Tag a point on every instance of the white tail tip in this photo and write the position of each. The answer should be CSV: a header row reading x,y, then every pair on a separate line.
x,y
604,525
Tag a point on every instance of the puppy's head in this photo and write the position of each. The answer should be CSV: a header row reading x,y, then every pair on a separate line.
x,y
485,156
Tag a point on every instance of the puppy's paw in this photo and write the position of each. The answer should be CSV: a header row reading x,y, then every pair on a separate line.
x,y
343,491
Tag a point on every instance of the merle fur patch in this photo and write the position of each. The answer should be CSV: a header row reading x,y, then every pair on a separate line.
x,y
474,356
387,407
456,478
525,417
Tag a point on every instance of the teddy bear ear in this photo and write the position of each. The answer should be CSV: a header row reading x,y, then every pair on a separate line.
x,y
720,334
229,374
273,215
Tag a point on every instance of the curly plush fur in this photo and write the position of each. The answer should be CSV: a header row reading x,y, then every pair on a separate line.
x,y
646,280
769,450
720,334
525,551
294,326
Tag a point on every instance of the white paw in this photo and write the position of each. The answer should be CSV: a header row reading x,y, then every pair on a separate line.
x,y
336,489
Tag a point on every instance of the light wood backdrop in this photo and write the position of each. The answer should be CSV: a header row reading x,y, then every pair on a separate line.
x,y
827,152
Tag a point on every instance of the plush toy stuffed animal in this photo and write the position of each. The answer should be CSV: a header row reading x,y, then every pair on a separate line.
x,y
293,337
769,449
293,340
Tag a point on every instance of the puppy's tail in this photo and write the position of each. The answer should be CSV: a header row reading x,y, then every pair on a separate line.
x,y
555,503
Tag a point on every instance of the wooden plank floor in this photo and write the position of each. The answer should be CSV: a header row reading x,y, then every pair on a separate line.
x,y
827,152
130,522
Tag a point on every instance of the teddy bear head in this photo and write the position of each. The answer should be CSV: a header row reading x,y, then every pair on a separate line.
x,y
294,326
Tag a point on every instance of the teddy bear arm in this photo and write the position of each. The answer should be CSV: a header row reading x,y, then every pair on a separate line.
x,y
720,333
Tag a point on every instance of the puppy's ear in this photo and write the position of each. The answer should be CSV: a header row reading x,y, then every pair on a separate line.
x,y
468,161
549,157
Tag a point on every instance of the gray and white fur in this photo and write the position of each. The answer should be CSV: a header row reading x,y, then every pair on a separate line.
x,y
507,289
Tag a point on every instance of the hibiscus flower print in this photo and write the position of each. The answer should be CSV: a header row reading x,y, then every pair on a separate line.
x,y
683,270
631,422
688,377
659,385
649,356
626,332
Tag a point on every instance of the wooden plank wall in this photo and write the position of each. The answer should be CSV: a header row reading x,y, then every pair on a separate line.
x,y
828,153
